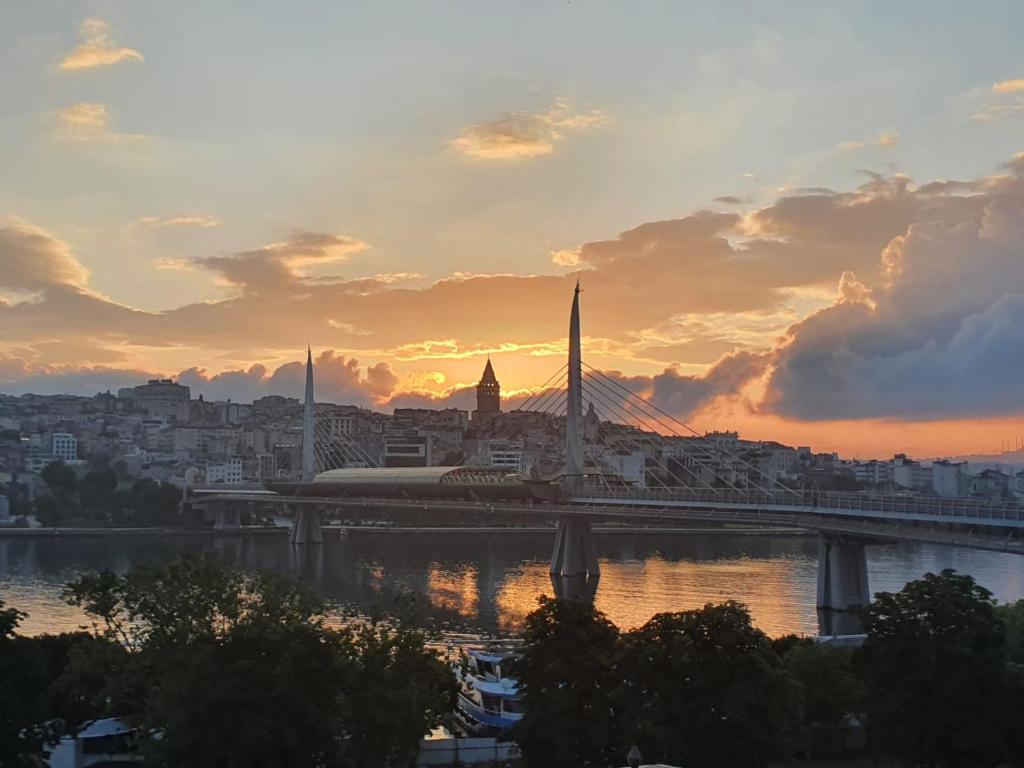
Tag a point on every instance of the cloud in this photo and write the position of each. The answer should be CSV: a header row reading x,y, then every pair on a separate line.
x,y
519,135
275,267
885,140
97,49
995,112
731,200
1009,86
195,220
89,122
566,257
942,336
685,290
32,260
336,379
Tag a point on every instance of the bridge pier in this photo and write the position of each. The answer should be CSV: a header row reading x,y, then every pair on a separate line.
x,y
842,584
306,527
574,553
226,517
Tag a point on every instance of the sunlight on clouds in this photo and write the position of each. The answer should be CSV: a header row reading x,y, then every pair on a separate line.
x,y
89,122
566,257
97,49
173,263
1009,86
181,221
517,135
885,140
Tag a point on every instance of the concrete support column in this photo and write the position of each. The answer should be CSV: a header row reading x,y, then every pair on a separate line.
x,y
306,528
574,553
226,517
842,584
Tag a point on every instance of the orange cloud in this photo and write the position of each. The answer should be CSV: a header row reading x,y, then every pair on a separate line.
x,y
97,49
518,135
194,220
1009,86
89,122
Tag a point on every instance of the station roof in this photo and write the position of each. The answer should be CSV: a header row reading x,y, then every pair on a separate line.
x,y
412,475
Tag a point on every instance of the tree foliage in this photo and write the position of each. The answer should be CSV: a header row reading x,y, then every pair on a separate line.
x,y
212,651
934,671
569,676
704,688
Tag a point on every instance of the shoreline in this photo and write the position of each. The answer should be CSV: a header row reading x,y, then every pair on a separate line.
x,y
343,530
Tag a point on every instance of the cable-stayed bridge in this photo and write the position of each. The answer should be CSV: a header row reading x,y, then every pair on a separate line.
x,y
624,458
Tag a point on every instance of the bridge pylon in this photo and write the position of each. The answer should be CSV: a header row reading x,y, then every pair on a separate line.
x,y
842,584
306,526
574,554
226,516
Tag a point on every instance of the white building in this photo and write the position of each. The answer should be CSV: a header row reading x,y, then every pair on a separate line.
x,y
227,472
65,446
948,478
508,454
910,474
631,467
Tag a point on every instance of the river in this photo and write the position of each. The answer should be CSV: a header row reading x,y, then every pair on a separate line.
x,y
480,584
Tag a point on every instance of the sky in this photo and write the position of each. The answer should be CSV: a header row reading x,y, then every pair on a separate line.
x,y
804,221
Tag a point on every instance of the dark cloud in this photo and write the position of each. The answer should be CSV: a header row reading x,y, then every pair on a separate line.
x,y
942,337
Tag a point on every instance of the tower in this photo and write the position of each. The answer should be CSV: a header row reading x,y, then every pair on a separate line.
x,y
488,395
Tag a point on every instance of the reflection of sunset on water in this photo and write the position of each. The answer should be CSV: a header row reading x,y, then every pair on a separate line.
x,y
479,584
454,590
779,592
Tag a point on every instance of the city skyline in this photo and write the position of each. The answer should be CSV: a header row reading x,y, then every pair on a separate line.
x,y
758,250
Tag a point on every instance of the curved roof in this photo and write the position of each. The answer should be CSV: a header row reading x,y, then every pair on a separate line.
x,y
418,476
390,475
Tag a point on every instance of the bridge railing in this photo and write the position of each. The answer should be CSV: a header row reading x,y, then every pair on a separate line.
x,y
896,504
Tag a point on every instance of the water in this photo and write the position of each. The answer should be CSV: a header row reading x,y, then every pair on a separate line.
x,y
481,583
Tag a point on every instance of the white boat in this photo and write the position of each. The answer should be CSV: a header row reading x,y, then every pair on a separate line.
x,y
489,700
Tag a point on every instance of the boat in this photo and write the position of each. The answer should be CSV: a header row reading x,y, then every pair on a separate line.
x,y
489,701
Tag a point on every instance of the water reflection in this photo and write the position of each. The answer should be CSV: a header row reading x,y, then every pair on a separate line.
x,y
487,583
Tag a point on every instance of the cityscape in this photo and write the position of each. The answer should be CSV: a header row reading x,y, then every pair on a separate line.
x,y
157,431
533,385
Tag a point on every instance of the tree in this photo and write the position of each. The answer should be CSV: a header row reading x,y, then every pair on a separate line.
x,y
703,688
829,688
934,669
397,687
23,733
98,493
60,479
213,651
51,512
568,678
1012,615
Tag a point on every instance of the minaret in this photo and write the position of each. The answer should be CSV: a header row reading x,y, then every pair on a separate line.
x,y
574,401
308,424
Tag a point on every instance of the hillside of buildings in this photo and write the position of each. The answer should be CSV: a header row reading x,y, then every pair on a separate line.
x,y
157,431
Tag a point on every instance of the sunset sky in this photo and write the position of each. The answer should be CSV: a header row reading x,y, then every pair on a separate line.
x,y
804,221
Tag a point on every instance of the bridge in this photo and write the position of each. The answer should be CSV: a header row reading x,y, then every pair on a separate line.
x,y
696,480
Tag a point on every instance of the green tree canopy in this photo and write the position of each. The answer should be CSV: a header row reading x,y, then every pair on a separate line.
x,y
568,675
214,651
703,688
60,479
934,669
